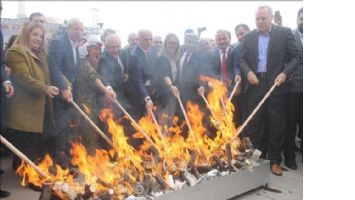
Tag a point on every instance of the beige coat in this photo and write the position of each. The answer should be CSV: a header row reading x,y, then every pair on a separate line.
x,y
30,78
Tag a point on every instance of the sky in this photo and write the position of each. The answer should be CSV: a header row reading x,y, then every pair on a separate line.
x,y
161,17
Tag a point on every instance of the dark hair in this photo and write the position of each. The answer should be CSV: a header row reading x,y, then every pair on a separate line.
x,y
107,32
35,14
189,31
300,11
244,26
10,42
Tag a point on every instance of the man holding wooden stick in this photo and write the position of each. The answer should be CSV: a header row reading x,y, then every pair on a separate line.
x,y
269,56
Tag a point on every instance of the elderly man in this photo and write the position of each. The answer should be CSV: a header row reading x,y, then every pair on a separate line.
x,y
112,66
265,52
140,89
157,43
63,61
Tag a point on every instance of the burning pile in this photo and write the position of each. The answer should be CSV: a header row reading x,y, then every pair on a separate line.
x,y
169,161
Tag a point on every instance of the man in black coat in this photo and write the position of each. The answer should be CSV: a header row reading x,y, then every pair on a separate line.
x,y
139,87
265,52
294,100
113,68
63,62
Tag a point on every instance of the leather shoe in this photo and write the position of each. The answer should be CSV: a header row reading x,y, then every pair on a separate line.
x,y
291,164
276,169
4,194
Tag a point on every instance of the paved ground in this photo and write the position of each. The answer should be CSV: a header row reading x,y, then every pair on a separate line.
x,y
289,186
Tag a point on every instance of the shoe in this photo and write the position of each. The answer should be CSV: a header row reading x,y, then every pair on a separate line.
x,y
4,194
276,169
291,164
1,171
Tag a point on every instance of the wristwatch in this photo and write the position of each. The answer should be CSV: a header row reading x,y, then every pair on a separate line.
x,y
146,99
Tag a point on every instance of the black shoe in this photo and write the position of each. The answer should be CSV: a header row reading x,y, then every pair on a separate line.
x,y
4,194
1,171
291,164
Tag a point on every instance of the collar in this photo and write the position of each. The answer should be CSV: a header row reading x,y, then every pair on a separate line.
x,y
145,51
301,34
221,51
268,32
73,44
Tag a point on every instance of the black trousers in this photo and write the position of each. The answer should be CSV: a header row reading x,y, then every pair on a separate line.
x,y
294,118
266,129
58,140
28,143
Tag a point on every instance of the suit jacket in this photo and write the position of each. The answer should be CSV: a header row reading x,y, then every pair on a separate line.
x,y
190,77
61,62
163,69
140,72
30,77
282,49
111,72
217,65
296,79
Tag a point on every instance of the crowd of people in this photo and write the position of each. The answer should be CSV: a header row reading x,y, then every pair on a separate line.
x,y
41,79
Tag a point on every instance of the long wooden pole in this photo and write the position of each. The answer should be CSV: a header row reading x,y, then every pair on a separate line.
x,y
209,107
233,91
87,118
140,129
254,112
158,129
188,124
23,157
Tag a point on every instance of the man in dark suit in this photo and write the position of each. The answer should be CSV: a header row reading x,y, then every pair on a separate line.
x,y
294,100
139,88
265,52
63,62
112,67
222,60
6,90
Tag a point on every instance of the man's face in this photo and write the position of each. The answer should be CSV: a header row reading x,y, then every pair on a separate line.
x,y
38,19
191,43
222,40
146,40
113,48
158,42
300,22
75,31
240,33
263,20
133,40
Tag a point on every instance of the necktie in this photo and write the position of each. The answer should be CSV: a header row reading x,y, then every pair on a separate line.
x,y
186,61
149,58
224,66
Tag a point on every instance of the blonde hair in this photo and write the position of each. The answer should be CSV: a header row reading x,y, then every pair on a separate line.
x,y
164,49
23,37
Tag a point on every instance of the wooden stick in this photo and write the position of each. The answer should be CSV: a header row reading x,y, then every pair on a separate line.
x,y
92,124
188,124
209,107
233,91
23,157
140,129
254,112
158,129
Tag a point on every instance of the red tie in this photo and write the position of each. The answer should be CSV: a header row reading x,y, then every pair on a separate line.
x,y
225,77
